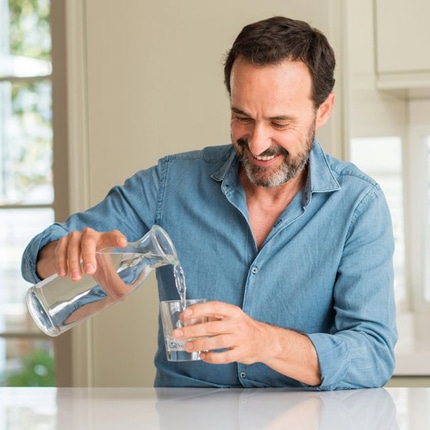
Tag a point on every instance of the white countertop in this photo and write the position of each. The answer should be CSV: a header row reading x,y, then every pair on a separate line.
x,y
193,408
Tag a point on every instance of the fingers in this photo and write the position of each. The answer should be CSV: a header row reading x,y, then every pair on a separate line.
x,y
225,337
61,256
220,349
74,255
77,251
217,317
89,242
213,311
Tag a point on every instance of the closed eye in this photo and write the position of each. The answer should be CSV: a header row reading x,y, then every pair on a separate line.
x,y
279,126
242,118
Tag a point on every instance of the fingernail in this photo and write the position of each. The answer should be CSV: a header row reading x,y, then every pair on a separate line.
x,y
89,268
189,346
177,334
76,275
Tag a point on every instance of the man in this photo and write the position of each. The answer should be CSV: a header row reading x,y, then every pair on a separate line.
x,y
292,248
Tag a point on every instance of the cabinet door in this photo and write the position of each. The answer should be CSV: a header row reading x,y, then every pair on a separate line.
x,y
403,36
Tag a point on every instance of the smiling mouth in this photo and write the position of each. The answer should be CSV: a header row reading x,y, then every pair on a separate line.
x,y
264,157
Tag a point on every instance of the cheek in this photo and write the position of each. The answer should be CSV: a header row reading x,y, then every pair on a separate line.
x,y
237,131
292,141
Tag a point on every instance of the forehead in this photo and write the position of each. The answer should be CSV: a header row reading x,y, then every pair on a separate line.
x,y
288,80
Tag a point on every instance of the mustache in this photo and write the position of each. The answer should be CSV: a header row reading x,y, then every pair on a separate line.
x,y
243,144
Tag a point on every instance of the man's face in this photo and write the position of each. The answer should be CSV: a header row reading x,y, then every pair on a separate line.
x,y
273,120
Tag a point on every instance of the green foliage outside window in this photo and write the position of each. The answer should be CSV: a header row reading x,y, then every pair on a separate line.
x,y
25,162
26,140
37,371
25,17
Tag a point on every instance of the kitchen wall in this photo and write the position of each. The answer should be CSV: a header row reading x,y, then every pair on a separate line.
x,y
145,80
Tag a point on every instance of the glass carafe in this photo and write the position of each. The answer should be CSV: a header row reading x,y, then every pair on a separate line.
x,y
57,304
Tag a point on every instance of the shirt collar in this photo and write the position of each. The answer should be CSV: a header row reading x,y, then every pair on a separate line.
x,y
230,165
321,178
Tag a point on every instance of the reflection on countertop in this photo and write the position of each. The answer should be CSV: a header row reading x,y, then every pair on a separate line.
x,y
191,408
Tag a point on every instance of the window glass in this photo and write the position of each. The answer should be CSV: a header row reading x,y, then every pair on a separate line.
x,y
26,362
27,28
381,158
427,288
26,185
25,41
17,226
26,143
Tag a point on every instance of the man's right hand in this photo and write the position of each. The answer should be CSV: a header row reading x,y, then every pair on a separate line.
x,y
64,256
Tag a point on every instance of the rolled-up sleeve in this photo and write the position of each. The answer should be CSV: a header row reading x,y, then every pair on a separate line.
x,y
359,351
31,252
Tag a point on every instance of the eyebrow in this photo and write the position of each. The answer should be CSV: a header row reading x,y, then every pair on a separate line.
x,y
272,118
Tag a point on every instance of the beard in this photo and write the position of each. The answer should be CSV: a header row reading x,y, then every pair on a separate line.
x,y
268,177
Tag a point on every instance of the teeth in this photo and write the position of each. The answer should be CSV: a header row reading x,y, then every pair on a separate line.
x,y
264,157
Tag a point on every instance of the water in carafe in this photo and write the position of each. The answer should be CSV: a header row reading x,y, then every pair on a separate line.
x,y
58,304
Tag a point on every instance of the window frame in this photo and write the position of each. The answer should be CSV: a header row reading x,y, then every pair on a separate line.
x,y
60,204
417,211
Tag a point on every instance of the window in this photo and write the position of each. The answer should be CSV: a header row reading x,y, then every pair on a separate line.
x,y
26,180
426,143
381,158
403,171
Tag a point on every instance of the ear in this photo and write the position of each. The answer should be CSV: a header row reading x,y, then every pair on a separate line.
x,y
324,111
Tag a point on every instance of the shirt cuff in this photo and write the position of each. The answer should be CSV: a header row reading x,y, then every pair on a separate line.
x,y
333,359
31,252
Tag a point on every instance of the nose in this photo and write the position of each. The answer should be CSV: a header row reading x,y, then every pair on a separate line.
x,y
259,139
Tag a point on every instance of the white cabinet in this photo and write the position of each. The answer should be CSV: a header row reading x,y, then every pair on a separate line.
x,y
403,44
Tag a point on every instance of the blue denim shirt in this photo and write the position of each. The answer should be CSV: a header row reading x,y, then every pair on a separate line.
x,y
325,269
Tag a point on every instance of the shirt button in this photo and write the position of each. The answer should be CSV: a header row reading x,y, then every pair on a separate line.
x,y
254,270
243,374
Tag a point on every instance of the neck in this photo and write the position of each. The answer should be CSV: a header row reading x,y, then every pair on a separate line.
x,y
280,195
265,205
